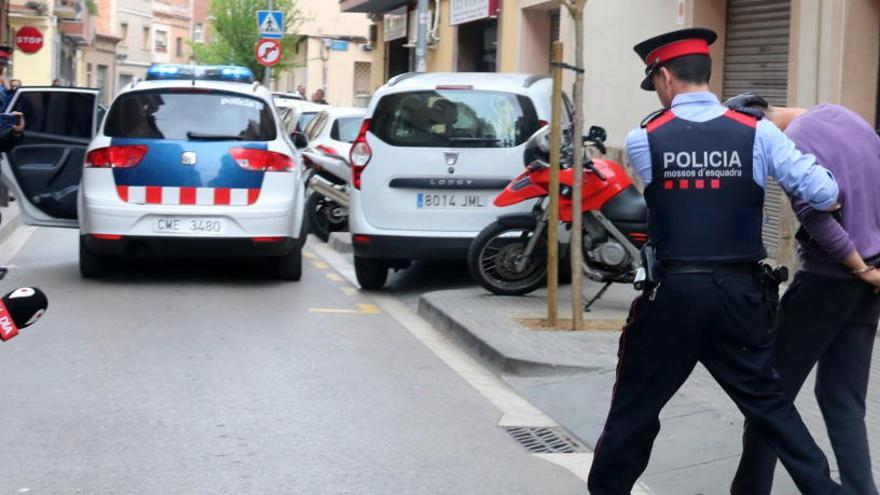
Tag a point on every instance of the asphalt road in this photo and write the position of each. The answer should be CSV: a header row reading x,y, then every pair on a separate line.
x,y
211,377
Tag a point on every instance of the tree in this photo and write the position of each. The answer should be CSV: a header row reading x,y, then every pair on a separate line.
x,y
576,10
236,34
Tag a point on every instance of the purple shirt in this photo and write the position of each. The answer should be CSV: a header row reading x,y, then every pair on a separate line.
x,y
849,147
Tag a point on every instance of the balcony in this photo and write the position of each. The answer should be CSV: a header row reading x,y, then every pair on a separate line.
x,y
371,6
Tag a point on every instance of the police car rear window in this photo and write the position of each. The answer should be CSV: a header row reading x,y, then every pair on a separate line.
x,y
455,119
190,115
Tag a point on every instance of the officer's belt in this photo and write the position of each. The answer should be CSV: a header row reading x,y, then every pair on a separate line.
x,y
873,260
722,269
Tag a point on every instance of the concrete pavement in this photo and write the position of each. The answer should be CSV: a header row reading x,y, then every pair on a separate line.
x,y
211,377
570,376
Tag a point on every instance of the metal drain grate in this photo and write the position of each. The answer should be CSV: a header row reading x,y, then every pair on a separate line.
x,y
538,440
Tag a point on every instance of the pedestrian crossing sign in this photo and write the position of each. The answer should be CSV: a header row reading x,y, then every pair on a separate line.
x,y
270,23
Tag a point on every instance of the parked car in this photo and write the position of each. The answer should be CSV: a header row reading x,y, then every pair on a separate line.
x,y
432,153
157,175
329,136
301,111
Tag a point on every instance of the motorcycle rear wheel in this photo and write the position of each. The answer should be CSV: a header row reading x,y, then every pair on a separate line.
x,y
492,257
322,218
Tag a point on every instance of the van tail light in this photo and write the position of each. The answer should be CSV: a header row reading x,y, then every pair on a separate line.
x,y
261,160
360,155
115,156
323,148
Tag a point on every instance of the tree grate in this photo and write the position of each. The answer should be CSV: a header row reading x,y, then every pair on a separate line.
x,y
539,440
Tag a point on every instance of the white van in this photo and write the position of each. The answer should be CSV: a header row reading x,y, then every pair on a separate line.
x,y
433,152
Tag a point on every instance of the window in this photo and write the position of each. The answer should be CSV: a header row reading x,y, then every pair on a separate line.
x,y
199,33
102,82
65,114
179,48
123,33
159,114
455,118
305,119
124,79
361,78
346,129
146,38
161,41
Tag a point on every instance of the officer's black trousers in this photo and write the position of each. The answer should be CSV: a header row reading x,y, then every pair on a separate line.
x,y
831,321
720,321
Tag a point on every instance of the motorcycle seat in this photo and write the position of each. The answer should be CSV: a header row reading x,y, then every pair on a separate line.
x,y
628,206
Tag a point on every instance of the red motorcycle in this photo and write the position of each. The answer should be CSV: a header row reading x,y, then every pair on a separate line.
x,y
509,256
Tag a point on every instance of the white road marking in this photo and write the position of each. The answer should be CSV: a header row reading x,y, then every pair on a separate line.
x,y
14,243
516,411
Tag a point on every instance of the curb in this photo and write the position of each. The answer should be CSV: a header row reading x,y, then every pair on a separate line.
x,y
483,350
340,242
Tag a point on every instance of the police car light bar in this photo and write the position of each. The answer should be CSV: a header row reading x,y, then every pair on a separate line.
x,y
170,72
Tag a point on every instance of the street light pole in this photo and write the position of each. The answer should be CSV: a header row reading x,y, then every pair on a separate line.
x,y
267,72
422,37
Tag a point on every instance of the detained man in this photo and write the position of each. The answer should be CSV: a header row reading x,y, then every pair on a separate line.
x,y
830,312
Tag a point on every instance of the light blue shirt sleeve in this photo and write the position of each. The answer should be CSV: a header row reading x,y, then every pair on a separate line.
x,y
798,174
638,154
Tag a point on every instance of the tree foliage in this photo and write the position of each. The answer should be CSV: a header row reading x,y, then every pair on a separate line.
x,y
235,34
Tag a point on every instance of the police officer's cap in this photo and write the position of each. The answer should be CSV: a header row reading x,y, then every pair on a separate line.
x,y
661,49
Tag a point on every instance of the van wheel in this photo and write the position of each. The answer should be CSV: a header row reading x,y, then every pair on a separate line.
x,y
371,273
91,265
289,266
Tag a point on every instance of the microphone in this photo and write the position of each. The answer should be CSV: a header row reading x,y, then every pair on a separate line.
x,y
19,309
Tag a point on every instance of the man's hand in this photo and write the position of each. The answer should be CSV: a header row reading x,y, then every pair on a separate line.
x,y
871,277
18,129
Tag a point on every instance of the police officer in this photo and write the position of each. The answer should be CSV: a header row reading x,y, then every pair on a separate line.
x,y
705,168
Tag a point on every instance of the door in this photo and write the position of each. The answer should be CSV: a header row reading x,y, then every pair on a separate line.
x,y
756,59
45,169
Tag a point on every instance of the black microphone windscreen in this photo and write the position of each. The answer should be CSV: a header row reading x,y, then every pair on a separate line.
x,y
25,305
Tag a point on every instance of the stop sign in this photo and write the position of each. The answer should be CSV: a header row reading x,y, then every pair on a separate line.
x,y
29,39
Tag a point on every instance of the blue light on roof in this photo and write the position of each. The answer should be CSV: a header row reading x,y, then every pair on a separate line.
x,y
228,73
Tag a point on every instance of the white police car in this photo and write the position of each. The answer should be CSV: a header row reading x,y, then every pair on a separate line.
x,y
190,162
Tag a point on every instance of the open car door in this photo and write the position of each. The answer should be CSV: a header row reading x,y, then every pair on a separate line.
x,y
45,169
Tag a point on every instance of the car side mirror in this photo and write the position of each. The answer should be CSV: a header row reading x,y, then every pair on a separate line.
x,y
596,134
299,140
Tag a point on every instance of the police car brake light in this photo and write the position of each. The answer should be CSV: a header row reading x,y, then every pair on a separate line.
x,y
116,156
171,72
261,160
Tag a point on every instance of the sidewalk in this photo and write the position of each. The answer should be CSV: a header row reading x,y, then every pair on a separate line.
x,y
570,376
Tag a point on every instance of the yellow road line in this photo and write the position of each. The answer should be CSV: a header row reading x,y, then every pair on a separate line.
x,y
334,276
349,291
320,265
309,255
363,309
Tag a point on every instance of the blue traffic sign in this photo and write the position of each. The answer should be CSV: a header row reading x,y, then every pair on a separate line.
x,y
270,23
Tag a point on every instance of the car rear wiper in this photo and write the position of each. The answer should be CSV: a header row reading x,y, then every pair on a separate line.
x,y
200,136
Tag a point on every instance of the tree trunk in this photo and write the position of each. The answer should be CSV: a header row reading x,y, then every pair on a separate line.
x,y
576,9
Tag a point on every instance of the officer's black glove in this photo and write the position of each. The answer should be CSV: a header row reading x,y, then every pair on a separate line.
x,y
748,103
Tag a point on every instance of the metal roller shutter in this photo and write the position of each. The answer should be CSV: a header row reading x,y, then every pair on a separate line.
x,y
756,59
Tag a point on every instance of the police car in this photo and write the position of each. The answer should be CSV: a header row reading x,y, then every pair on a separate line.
x,y
190,162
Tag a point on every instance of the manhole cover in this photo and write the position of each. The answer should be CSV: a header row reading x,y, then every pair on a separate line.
x,y
541,440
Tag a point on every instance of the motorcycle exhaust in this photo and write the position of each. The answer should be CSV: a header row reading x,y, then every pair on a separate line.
x,y
326,188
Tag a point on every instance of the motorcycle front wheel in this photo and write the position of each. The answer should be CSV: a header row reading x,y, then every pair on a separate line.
x,y
324,216
493,256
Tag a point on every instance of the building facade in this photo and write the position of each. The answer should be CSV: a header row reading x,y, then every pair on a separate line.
x,y
132,20
333,55
63,26
172,30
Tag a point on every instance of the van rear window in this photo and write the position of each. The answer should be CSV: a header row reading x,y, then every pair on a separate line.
x,y
164,114
455,119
